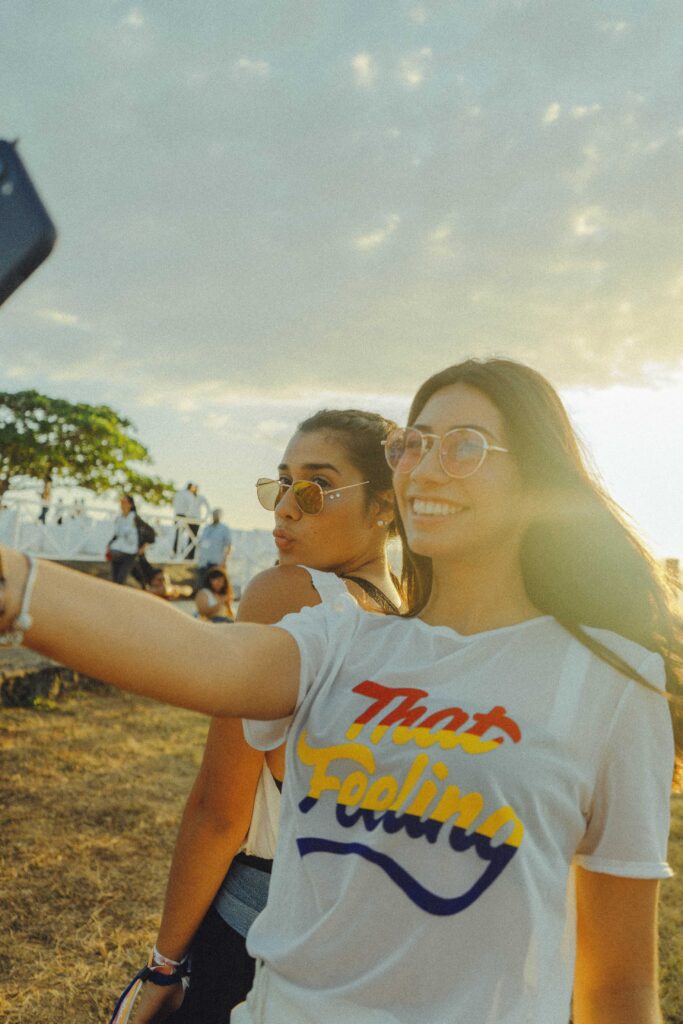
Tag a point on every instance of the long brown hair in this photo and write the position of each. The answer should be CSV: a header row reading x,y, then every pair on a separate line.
x,y
581,561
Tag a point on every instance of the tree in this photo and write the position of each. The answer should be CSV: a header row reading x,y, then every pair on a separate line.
x,y
88,445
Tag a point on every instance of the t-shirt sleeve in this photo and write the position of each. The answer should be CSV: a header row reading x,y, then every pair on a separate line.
x,y
321,633
628,825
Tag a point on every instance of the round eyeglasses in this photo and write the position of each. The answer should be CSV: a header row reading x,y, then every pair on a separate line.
x,y
461,451
309,496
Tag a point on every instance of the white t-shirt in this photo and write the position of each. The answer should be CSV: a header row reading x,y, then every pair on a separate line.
x,y
125,537
438,789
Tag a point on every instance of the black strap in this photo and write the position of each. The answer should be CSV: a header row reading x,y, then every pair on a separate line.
x,y
378,596
260,863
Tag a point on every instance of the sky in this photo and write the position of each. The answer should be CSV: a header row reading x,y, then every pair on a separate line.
x,y
266,208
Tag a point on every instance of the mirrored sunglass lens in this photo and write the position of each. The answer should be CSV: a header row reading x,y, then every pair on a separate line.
x,y
462,452
309,496
268,493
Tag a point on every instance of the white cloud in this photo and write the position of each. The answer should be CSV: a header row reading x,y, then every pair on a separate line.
x,y
439,241
134,19
373,239
216,420
613,27
413,68
58,316
588,222
247,68
364,69
577,112
551,113
418,14
274,429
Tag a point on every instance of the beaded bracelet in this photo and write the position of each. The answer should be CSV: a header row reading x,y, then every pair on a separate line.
x,y
13,636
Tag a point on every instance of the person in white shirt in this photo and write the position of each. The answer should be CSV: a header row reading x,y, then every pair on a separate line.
x,y
475,806
124,546
183,508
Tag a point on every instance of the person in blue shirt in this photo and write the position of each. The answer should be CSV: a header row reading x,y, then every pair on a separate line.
x,y
215,544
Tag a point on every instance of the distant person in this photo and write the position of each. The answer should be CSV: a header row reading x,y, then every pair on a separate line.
x,y
199,512
124,546
60,509
183,508
160,585
214,600
215,545
45,498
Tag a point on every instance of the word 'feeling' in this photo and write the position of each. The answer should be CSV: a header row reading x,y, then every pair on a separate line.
x,y
423,801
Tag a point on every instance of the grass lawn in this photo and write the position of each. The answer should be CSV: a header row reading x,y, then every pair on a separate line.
x,y
91,790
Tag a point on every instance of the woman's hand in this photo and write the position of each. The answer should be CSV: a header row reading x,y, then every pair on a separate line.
x,y
155,1003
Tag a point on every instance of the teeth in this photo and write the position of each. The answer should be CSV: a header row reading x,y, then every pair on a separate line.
x,y
433,508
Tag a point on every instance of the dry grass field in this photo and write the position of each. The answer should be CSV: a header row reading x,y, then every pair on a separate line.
x,y
91,790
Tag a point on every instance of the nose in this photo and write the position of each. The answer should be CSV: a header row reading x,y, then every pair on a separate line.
x,y
429,467
287,507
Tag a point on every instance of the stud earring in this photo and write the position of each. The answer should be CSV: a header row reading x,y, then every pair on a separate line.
x,y
380,522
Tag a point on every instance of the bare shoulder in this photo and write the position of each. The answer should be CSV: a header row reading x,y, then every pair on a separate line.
x,y
276,592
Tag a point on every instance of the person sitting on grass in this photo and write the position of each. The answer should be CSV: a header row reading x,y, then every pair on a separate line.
x,y
214,600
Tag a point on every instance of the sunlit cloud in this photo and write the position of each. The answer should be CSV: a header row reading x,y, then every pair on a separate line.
x,y
613,27
216,420
439,241
134,18
413,68
551,113
418,14
588,222
274,429
58,316
578,112
247,68
364,69
373,239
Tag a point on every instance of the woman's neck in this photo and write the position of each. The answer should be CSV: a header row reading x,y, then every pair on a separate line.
x,y
475,598
375,569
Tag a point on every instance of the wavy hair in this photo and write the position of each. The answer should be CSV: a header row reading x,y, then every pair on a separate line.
x,y
581,561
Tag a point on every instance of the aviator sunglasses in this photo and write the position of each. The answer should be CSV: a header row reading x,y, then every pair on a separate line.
x,y
308,495
461,451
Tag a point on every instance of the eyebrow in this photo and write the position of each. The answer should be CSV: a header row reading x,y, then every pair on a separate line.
x,y
456,426
310,467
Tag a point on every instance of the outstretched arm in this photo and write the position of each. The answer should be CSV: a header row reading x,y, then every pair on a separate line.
x,y
118,635
616,953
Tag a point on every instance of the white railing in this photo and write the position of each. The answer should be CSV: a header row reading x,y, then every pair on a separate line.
x,y
80,533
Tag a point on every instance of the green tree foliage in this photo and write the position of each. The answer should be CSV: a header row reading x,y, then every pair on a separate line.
x,y
88,445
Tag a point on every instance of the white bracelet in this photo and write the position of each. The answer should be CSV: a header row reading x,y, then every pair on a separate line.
x,y
159,960
14,637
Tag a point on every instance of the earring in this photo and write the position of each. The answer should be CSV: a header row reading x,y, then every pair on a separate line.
x,y
380,522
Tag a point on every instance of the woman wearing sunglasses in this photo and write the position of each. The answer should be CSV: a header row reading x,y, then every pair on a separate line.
x,y
333,509
475,807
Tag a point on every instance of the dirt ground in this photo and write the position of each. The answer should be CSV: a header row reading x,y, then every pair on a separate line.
x,y
91,788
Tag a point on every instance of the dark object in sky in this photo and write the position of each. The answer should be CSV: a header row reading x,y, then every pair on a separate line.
x,y
27,234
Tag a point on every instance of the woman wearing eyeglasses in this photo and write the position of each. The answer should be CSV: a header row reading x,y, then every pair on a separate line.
x,y
475,808
333,508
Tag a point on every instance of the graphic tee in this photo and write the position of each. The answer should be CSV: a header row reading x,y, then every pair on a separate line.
x,y
439,788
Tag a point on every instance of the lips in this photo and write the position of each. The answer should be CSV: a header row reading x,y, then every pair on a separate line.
x,y
282,540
